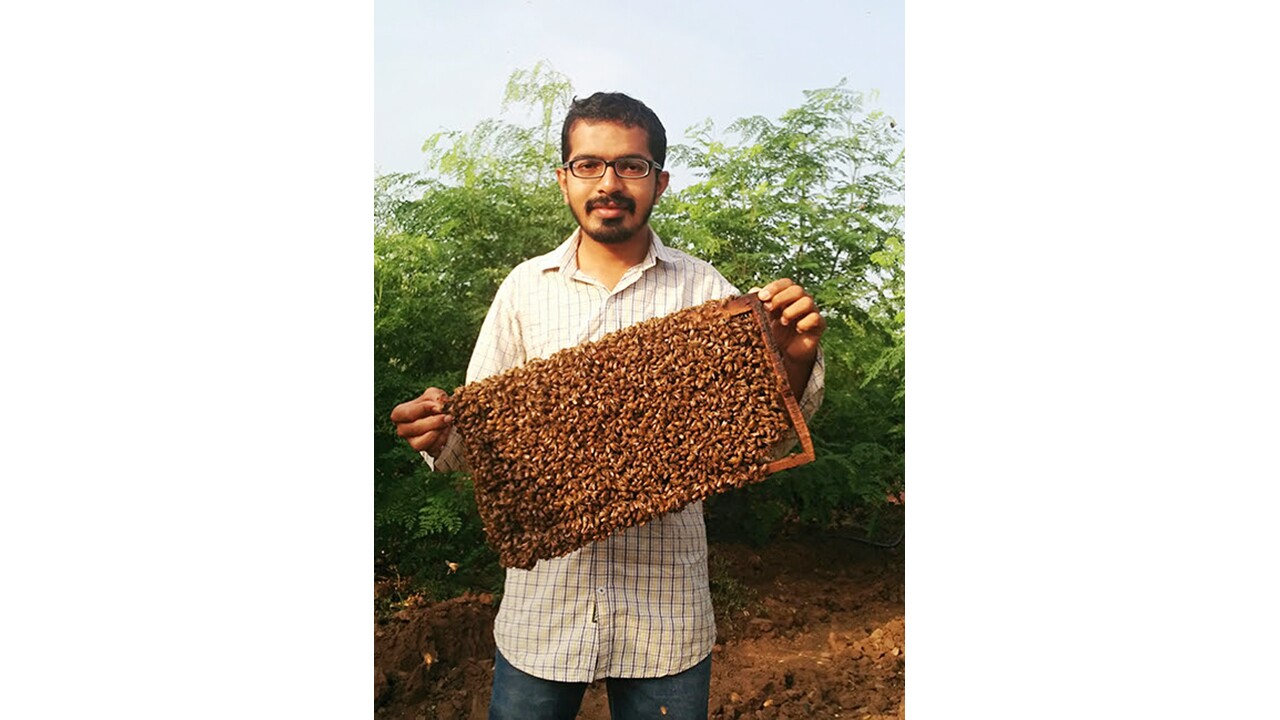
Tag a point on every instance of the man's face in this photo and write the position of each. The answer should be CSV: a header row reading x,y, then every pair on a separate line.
x,y
610,209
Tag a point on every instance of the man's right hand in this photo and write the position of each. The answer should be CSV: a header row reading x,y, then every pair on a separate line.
x,y
422,421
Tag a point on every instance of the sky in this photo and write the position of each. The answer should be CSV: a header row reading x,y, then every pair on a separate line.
x,y
444,65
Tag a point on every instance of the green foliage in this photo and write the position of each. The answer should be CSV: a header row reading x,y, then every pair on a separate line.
x,y
729,595
426,528
442,245
547,90
814,196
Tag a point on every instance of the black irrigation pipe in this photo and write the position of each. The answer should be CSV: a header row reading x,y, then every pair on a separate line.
x,y
875,543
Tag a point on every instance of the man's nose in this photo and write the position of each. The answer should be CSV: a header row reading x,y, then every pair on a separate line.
x,y
610,178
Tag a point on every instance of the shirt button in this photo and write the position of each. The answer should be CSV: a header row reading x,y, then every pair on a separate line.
x,y
600,590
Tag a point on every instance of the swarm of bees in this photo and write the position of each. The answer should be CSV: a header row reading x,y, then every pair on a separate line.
x,y
575,447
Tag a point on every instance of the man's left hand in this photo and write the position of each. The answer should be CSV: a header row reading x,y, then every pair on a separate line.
x,y
796,326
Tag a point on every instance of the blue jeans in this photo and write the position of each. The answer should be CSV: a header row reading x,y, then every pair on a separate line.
x,y
518,695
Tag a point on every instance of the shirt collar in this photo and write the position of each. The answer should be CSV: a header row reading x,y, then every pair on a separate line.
x,y
659,250
565,257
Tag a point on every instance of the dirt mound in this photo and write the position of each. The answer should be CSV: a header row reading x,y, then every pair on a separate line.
x,y
435,654
808,628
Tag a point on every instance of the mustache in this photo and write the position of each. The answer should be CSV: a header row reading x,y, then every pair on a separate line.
x,y
616,199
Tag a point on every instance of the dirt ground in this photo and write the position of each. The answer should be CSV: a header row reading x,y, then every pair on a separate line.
x,y
815,631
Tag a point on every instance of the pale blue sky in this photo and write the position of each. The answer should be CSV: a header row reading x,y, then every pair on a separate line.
x,y
443,65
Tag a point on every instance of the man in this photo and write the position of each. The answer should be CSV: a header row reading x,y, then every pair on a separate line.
x,y
634,608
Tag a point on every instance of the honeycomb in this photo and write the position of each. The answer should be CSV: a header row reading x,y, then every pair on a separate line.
x,y
572,448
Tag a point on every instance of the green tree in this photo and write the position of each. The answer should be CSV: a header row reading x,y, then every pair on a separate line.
x,y
814,196
443,242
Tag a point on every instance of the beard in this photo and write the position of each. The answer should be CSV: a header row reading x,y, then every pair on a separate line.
x,y
611,231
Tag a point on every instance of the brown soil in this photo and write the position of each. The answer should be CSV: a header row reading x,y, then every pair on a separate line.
x,y
817,633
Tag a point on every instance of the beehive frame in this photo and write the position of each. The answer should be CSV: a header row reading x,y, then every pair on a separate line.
x,y
569,449
751,304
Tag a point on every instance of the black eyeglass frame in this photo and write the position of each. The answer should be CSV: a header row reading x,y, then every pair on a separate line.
x,y
650,164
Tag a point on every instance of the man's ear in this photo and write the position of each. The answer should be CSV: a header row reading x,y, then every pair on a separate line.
x,y
562,178
664,178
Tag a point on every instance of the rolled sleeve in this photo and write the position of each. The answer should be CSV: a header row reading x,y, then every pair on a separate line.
x,y
810,401
452,458
811,398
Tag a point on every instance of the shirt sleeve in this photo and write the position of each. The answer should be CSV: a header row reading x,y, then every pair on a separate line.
x,y
810,401
811,398
499,347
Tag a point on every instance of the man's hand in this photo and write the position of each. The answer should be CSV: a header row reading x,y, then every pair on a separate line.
x,y
797,326
422,421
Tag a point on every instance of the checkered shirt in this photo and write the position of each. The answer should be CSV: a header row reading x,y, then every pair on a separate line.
x,y
638,603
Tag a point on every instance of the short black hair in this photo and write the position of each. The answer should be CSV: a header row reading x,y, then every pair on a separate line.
x,y
618,108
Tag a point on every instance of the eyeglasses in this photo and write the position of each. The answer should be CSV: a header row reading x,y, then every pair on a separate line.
x,y
629,168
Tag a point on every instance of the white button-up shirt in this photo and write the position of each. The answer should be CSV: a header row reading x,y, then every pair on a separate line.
x,y
638,603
